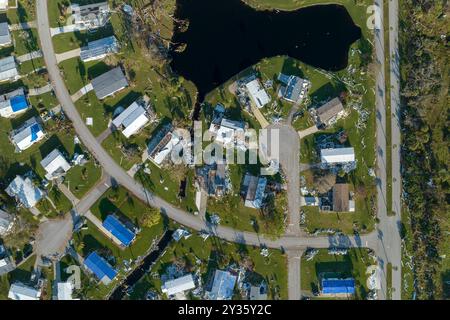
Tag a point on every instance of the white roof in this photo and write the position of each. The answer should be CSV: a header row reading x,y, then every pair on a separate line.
x,y
19,291
228,131
338,155
132,119
164,152
8,68
3,4
28,134
64,290
181,284
24,191
257,93
54,162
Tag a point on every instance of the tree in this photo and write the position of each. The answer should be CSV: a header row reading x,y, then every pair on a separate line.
x,y
150,218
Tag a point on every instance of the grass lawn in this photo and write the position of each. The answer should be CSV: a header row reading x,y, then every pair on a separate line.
x,y
233,213
79,74
73,40
165,183
25,12
342,221
114,143
213,254
25,41
44,101
86,241
61,204
90,107
354,265
81,179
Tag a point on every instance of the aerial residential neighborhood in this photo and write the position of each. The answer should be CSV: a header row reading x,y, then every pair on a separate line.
x,y
207,150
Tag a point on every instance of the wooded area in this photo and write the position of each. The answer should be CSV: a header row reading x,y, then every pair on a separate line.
x,y
425,153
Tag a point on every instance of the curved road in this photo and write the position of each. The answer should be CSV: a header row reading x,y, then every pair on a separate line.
x,y
182,217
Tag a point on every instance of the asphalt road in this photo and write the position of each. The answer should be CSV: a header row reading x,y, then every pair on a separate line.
x,y
395,256
388,248
288,142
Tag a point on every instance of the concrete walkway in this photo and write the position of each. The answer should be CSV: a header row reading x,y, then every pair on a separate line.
x,y
29,56
76,96
69,195
68,55
311,130
23,26
259,116
105,134
39,91
65,29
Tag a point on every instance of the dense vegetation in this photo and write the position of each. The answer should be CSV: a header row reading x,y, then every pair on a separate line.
x,y
424,71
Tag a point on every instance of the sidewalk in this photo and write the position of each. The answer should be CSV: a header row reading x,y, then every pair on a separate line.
x,y
39,91
23,26
76,96
68,55
29,56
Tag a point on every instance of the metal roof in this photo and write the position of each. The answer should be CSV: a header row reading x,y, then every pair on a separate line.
x,y
337,155
100,268
132,119
257,93
109,83
8,68
329,110
99,48
54,162
113,225
5,36
19,291
181,284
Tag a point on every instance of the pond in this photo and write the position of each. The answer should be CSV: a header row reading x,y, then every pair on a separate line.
x,y
224,37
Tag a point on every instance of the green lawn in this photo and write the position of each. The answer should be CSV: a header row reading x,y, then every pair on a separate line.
x,y
61,206
81,179
165,183
25,12
354,265
25,41
73,40
116,141
235,214
217,254
342,221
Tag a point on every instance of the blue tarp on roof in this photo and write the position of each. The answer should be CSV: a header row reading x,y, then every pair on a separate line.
x,y
113,225
18,103
283,78
338,286
99,266
35,128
